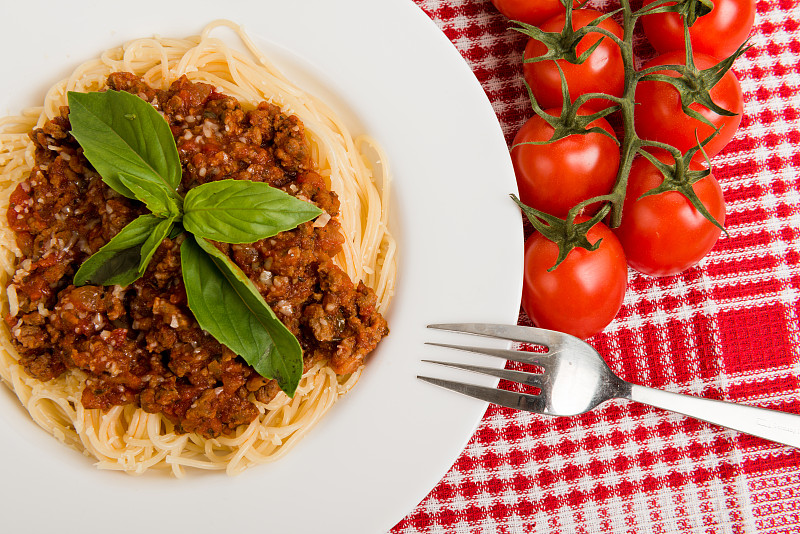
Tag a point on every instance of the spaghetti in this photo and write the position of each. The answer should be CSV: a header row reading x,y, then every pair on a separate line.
x,y
125,437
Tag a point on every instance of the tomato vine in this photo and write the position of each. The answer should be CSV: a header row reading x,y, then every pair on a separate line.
x,y
694,85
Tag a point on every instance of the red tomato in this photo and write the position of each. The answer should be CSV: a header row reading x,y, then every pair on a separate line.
x,y
659,116
556,176
718,33
530,11
584,293
603,71
664,234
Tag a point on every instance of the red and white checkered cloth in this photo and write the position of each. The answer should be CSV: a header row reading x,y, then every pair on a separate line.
x,y
729,329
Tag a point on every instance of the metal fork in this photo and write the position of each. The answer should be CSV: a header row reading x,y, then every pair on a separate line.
x,y
576,379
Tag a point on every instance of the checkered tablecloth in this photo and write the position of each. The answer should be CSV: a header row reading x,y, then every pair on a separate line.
x,y
728,329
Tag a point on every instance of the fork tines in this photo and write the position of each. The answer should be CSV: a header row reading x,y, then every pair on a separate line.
x,y
538,359
520,377
501,397
510,399
523,334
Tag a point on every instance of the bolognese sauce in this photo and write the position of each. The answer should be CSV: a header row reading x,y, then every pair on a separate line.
x,y
140,344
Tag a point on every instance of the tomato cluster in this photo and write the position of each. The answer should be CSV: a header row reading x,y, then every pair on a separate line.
x,y
644,190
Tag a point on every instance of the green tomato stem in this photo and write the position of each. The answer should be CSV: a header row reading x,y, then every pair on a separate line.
x,y
565,232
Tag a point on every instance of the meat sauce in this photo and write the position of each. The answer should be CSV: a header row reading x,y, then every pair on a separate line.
x,y
140,344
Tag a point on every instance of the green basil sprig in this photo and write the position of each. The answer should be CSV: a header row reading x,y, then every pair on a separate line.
x,y
224,300
123,260
132,148
239,211
126,139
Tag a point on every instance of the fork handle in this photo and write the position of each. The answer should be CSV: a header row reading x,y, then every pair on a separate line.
x,y
773,425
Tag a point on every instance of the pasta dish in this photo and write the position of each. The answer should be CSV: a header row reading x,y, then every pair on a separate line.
x,y
125,373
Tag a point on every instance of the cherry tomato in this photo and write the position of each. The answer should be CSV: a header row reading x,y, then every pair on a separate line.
x,y
659,116
584,293
530,11
603,71
664,234
556,176
718,33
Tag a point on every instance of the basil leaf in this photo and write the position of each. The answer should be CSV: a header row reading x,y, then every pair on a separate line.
x,y
228,306
241,211
156,197
284,360
121,134
152,243
119,261
176,230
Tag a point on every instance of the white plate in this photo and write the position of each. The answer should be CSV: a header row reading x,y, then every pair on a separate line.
x,y
387,443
